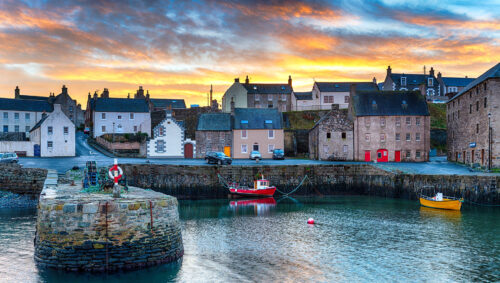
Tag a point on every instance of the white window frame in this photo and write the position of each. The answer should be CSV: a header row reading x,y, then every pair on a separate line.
x,y
398,137
66,131
417,121
27,116
430,81
270,148
403,81
382,137
135,129
244,134
103,128
103,116
345,148
132,116
270,134
50,130
367,138
244,148
417,136
50,144
408,137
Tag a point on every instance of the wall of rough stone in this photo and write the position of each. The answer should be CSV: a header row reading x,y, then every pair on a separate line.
x,y
23,181
87,235
196,182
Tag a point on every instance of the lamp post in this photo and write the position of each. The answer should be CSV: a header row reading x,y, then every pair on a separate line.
x,y
113,145
489,142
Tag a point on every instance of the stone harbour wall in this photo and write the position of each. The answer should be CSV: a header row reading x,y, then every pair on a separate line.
x,y
22,181
197,182
95,233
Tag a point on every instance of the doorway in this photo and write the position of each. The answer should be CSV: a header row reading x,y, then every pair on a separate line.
x,y
382,155
227,151
188,150
367,156
397,156
482,157
472,156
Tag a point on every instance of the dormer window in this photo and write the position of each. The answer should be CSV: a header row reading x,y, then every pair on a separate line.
x,y
403,81
282,87
404,105
255,87
244,121
374,104
430,81
269,121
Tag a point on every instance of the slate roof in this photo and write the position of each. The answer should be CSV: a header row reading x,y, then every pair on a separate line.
x,y
460,82
166,103
345,86
389,103
268,88
256,118
494,72
37,125
25,105
214,122
306,95
121,105
34,97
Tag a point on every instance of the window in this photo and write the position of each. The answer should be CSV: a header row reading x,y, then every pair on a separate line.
x,y
283,97
408,121
408,137
430,81
66,130
477,128
269,98
5,128
49,130
161,131
119,117
344,135
160,146
244,148
417,154
244,134
417,121
346,147
367,121
103,128
403,81
103,116
256,147
16,116
135,129
119,128
6,115
382,122
71,109
328,99
485,102
346,99
382,137
257,97
408,154
398,136
398,121
131,116
470,109
328,135
27,128
270,134
270,148
417,136
27,116
50,144
367,137
16,128
477,105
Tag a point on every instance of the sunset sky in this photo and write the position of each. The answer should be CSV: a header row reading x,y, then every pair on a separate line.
x,y
176,49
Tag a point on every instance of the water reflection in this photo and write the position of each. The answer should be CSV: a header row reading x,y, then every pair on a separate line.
x,y
259,207
445,214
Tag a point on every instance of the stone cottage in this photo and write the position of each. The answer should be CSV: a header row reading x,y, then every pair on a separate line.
x,y
169,140
331,138
214,133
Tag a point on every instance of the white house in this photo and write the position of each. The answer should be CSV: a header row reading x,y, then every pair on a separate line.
x,y
21,115
120,116
169,140
327,93
302,101
54,134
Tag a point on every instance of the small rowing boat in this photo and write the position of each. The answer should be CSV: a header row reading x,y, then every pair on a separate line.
x,y
441,202
260,188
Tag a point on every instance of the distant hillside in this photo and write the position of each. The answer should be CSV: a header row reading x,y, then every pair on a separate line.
x,y
438,116
302,120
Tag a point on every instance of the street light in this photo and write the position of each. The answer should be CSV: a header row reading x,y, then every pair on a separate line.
x,y
489,142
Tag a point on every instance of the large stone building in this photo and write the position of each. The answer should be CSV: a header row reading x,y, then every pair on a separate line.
x,y
449,86
327,93
390,126
214,133
472,113
332,138
251,95
413,82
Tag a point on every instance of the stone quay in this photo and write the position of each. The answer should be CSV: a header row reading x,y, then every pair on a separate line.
x,y
80,231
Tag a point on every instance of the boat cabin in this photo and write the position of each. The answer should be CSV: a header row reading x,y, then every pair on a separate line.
x,y
261,184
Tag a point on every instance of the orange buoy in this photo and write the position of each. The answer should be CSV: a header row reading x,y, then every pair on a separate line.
x,y
310,221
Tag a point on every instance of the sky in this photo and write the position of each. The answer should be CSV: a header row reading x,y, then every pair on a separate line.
x,y
177,49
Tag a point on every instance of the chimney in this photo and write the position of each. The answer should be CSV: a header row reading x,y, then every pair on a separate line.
x,y
424,70
17,92
95,94
389,70
335,107
64,90
232,106
211,91
139,93
431,72
290,81
236,80
247,81
147,94
128,95
105,93
439,75
89,96
374,80
352,90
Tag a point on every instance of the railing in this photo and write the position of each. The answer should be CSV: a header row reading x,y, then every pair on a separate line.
x,y
315,107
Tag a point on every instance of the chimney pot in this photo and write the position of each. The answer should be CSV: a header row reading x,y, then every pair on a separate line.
x,y
247,81
236,80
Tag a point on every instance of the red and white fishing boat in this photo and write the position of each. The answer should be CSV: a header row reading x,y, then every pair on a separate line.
x,y
260,188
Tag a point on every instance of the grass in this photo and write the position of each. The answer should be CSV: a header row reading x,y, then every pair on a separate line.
x,y
438,116
304,120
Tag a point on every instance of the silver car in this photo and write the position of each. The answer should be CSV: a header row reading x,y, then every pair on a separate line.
x,y
255,155
8,157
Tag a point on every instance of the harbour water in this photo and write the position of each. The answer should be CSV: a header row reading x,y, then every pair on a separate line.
x,y
356,239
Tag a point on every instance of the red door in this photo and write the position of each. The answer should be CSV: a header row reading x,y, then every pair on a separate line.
x,y
382,155
397,156
188,150
367,156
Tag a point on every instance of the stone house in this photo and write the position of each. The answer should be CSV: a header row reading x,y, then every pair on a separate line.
x,y
169,140
473,121
413,82
327,93
54,134
251,95
120,116
332,138
390,126
19,115
257,129
214,133
452,85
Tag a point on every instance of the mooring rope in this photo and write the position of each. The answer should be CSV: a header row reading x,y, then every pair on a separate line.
x,y
294,190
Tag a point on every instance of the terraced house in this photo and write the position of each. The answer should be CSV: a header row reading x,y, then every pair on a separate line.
x,y
474,122
390,126
327,93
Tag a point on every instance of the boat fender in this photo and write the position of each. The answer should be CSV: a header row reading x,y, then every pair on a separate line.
x,y
310,221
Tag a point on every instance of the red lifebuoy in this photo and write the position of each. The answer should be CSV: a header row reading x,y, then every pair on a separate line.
x,y
112,170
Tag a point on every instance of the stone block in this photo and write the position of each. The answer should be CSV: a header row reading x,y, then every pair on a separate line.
x,y
90,208
69,208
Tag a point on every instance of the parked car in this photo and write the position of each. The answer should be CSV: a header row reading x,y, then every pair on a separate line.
x,y
8,157
278,154
218,158
86,130
255,155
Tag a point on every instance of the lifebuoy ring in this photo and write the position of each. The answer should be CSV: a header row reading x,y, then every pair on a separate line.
x,y
112,170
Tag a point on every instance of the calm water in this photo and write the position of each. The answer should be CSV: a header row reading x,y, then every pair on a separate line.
x,y
356,239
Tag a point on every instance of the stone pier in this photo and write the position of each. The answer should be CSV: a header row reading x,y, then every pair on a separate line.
x,y
81,231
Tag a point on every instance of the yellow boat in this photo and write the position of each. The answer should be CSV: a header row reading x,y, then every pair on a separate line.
x,y
441,202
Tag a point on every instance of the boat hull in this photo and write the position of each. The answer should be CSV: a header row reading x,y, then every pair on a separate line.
x,y
253,193
450,204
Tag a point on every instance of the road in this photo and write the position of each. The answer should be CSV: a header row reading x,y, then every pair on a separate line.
x,y
84,152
